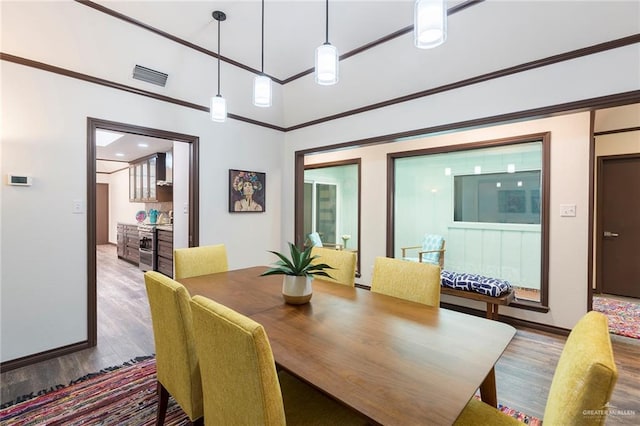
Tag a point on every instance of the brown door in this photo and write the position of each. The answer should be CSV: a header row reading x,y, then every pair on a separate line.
x,y
619,231
102,213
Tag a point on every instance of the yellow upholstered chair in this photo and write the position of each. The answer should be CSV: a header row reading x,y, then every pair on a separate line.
x,y
343,262
582,384
195,261
178,372
418,282
240,383
431,251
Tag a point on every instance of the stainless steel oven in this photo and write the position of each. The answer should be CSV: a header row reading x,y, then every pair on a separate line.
x,y
148,247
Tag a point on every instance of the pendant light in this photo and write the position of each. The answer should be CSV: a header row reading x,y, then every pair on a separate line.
x,y
326,58
218,103
430,23
262,83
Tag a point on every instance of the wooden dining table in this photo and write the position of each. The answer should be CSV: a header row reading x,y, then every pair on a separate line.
x,y
395,361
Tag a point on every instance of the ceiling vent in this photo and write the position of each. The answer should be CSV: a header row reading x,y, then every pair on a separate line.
x,y
150,76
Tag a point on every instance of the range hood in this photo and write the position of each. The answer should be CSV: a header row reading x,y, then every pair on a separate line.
x,y
169,170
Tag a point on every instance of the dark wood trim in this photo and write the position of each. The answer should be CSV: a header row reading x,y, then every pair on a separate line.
x,y
516,322
587,104
592,207
391,196
601,47
531,114
194,181
43,356
545,210
99,81
299,208
92,294
545,138
171,37
612,132
298,199
409,28
125,88
256,122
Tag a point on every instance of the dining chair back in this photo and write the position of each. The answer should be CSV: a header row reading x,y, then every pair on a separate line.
x,y
239,378
585,375
238,370
418,282
582,384
178,372
343,263
203,260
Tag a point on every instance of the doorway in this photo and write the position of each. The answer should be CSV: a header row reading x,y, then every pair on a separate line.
x,y
618,230
93,125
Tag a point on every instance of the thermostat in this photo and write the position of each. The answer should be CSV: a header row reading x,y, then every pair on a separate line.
x,y
19,180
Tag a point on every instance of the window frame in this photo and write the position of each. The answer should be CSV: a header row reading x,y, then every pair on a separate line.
x,y
545,139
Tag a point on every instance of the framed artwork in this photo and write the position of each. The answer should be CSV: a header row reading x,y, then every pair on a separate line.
x,y
247,191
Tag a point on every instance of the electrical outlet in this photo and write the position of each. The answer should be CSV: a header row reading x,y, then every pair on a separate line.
x,y
185,208
567,210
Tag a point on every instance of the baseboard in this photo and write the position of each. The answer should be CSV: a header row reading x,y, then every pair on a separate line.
x,y
43,356
516,322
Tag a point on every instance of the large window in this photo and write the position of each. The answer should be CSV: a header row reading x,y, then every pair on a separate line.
x,y
487,203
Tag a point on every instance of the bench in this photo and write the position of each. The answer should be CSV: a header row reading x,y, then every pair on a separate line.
x,y
493,303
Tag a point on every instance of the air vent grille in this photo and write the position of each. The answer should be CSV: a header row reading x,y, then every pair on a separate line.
x,y
149,75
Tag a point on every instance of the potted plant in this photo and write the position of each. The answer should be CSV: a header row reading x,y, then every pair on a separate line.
x,y
298,273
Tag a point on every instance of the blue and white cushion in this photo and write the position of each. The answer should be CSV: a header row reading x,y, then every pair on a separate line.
x,y
494,287
431,242
314,237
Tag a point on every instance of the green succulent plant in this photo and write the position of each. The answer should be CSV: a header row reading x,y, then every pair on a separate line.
x,y
299,265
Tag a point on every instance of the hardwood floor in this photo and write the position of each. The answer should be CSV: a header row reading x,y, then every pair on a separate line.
x,y
124,331
523,373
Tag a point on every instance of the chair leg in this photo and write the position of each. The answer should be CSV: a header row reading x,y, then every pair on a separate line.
x,y
163,401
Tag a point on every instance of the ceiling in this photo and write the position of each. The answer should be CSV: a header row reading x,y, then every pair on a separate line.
x,y
293,29
125,148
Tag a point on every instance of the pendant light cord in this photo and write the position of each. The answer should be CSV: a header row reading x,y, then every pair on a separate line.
x,y
327,23
218,58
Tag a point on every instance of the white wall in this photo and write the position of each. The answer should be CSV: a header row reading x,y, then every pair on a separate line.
x,y
569,184
44,285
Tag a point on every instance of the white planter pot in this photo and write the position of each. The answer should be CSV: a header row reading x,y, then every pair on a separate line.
x,y
296,290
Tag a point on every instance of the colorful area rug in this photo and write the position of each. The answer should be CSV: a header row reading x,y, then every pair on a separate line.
x,y
624,317
124,395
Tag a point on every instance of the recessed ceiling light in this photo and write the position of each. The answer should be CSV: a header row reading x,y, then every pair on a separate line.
x,y
119,154
105,137
143,145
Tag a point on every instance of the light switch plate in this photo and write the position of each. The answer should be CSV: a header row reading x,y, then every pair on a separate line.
x,y
76,207
567,210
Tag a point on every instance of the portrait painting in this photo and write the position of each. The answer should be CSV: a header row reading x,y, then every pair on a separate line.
x,y
247,191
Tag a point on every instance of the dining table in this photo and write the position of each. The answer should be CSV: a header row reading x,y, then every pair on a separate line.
x,y
394,361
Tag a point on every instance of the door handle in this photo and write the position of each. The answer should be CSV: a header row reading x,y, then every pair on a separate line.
x,y
610,234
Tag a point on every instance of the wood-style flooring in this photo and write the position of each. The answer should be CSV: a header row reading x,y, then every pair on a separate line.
x,y
523,373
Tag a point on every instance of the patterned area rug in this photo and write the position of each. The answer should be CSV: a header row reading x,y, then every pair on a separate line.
x,y
124,395
624,317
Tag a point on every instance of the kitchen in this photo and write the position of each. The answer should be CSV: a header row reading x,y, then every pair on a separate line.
x,y
138,184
